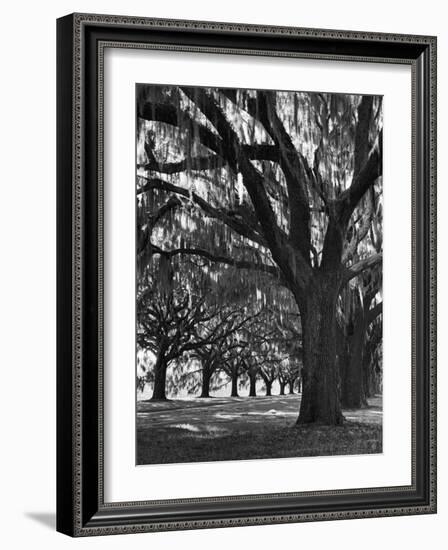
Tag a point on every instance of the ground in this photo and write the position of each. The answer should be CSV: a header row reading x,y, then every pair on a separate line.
x,y
232,428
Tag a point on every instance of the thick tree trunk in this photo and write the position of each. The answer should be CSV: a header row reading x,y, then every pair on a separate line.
x,y
282,388
371,369
372,379
299,386
367,377
159,392
353,395
291,387
253,386
321,383
206,376
234,392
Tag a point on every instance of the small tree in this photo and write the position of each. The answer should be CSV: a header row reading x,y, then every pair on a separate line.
x,y
167,320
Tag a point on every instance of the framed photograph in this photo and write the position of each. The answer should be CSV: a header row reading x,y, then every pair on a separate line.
x,y
246,274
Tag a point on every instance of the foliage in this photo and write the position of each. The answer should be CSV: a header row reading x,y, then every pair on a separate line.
x,y
254,208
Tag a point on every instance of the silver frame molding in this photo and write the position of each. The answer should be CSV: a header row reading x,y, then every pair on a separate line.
x,y
81,509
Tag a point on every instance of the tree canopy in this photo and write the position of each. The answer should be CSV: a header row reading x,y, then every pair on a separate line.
x,y
259,231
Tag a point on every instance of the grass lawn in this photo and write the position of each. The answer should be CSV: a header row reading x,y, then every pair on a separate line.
x,y
202,430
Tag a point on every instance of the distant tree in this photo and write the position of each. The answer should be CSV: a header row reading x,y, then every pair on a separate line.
x,y
268,372
289,374
167,326
282,380
223,345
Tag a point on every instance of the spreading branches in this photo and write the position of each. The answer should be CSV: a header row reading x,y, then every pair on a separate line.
x,y
229,217
235,154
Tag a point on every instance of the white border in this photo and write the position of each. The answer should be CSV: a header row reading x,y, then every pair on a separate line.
x,y
123,481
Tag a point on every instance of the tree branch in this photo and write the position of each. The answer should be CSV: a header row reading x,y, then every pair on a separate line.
x,y
258,151
368,174
210,162
143,237
368,167
357,234
207,105
169,206
286,258
240,264
361,266
374,312
195,163
295,169
225,216
169,114
362,145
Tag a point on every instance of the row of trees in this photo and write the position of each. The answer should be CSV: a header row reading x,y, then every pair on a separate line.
x,y
206,344
259,238
207,332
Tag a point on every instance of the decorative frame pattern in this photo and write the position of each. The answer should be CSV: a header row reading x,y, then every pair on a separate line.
x,y
81,42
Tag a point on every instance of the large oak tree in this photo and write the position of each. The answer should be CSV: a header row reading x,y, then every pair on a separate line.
x,y
286,175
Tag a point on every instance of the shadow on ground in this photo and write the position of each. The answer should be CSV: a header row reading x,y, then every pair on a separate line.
x,y
233,428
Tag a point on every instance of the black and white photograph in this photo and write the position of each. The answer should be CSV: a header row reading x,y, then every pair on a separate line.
x,y
259,238
223,236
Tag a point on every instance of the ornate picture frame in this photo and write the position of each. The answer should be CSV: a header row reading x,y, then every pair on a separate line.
x,y
81,507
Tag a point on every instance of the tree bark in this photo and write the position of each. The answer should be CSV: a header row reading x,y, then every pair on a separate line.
x,y
321,383
372,372
368,377
253,386
291,387
234,392
353,395
159,392
206,376
282,388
